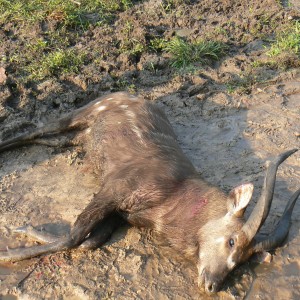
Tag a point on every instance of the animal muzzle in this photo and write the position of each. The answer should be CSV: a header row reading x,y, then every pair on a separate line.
x,y
212,285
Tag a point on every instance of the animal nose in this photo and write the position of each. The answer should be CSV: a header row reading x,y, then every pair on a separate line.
x,y
211,287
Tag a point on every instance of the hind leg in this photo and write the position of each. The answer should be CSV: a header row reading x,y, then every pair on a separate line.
x,y
97,237
102,232
93,214
36,235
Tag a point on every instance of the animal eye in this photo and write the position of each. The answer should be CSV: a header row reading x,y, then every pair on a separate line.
x,y
231,243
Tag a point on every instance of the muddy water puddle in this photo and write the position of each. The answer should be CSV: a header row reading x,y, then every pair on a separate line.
x,y
228,142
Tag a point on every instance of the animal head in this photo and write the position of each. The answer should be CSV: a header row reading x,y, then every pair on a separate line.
x,y
222,247
230,240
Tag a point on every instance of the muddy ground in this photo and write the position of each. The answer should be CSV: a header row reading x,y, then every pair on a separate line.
x,y
227,134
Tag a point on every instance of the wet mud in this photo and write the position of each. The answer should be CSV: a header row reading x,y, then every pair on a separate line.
x,y
226,139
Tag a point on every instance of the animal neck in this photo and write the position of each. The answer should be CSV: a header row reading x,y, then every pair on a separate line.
x,y
192,207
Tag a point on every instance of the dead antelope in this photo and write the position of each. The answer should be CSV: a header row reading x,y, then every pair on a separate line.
x,y
147,180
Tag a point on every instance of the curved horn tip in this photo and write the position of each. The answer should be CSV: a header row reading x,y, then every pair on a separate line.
x,y
262,207
279,234
281,157
289,152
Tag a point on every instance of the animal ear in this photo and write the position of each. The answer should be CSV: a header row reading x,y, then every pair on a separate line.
x,y
239,198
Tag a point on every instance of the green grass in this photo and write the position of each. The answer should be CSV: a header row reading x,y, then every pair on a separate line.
x,y
72,13
244,82
157,44
41,58
129,44
56,25
240,86
171,5
287,41
184,54
56,63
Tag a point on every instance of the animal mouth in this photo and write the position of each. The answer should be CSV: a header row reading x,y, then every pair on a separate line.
x,y
211,286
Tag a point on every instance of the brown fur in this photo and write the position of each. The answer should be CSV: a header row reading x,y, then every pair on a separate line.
x,y
146,178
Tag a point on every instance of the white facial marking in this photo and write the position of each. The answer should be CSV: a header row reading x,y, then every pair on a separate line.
x,y
102,107
228,216
220,239
201,255
230,262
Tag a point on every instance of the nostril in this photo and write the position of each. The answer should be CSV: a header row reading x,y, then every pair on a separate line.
x,y
211,287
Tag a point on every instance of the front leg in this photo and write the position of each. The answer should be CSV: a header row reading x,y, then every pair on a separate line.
x,y
100,207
